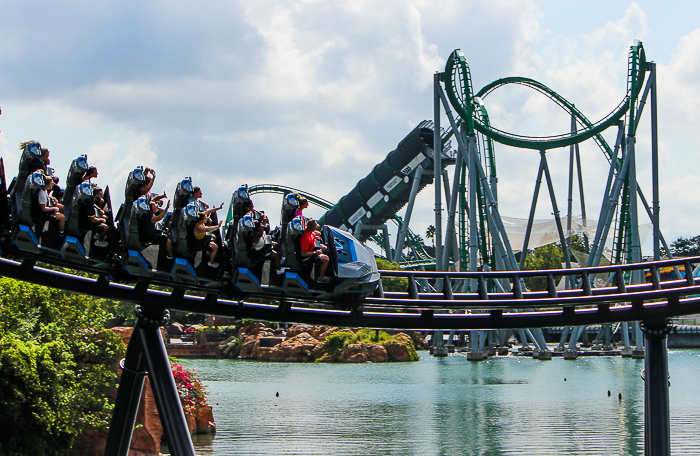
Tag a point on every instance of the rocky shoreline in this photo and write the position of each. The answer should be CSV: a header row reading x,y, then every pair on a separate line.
x,y
303,343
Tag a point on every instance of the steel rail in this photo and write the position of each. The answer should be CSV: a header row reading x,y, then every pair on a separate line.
x,y
460,94
648,301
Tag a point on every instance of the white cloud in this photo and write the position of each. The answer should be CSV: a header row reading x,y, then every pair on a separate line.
x,y
242,92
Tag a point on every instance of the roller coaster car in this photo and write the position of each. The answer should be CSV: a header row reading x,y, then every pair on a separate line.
x,y
78,224
240,197
182,197
352,267
77,169
138,238
186,248
131,193
299,277
29,162
290,204
249,268
29,228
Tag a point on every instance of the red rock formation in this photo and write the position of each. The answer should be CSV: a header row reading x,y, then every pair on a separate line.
x,y
252,329
307,343
317,332
353,353
377,353
397,351
298,348
204,421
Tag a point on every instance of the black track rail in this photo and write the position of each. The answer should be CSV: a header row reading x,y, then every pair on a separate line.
x,y
483,310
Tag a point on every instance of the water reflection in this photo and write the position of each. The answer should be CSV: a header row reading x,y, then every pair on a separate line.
x,y
504,406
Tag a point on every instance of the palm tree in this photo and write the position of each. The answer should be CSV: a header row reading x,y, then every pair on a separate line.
x,y
430,234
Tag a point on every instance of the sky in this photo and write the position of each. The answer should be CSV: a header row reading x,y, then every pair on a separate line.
x,y
312,94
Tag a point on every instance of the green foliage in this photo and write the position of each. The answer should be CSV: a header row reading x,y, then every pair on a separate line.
x,y
187,318
340,339
206,330
56,364
392,283
118,313
578,243
233,347
418,340
368,336
430,233
548,256
685,247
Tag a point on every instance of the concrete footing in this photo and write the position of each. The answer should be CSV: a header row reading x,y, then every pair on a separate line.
x,y
503,351
570,354
490,351
439,352
476,355
543,355
637,353
626,352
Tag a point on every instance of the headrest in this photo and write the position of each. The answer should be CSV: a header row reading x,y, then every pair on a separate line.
x,y
298,224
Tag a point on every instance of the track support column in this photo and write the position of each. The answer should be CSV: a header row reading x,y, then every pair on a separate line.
x,y
128,397
146,348
657,429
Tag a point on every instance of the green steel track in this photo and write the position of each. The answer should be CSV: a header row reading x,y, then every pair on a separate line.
x,y
469,106
457,79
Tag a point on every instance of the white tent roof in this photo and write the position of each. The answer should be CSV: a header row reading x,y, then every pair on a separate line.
x,y
544,231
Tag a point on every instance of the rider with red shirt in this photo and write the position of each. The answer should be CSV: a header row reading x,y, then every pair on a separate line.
x,y
309,249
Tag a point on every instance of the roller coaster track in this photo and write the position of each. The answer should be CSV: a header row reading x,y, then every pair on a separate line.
x,y
414,310
457,78
469,105
282,190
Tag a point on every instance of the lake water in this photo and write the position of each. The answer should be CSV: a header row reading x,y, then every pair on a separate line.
x,y
443,406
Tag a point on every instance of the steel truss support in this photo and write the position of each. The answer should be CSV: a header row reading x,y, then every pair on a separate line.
x,y
407,216
607,211
575,161
655,167
437,163
146,349
657,422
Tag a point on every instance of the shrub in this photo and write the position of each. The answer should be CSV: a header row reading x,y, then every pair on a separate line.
x,y
392,283
189,388
338,340
233,347
56,364
229,330
369,336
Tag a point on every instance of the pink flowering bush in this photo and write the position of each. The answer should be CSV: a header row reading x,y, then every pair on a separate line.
x,y
189,388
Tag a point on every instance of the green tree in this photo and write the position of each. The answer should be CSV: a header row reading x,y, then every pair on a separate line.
x,y
56,364
578,243
430,233
548,256
685,247
392,283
